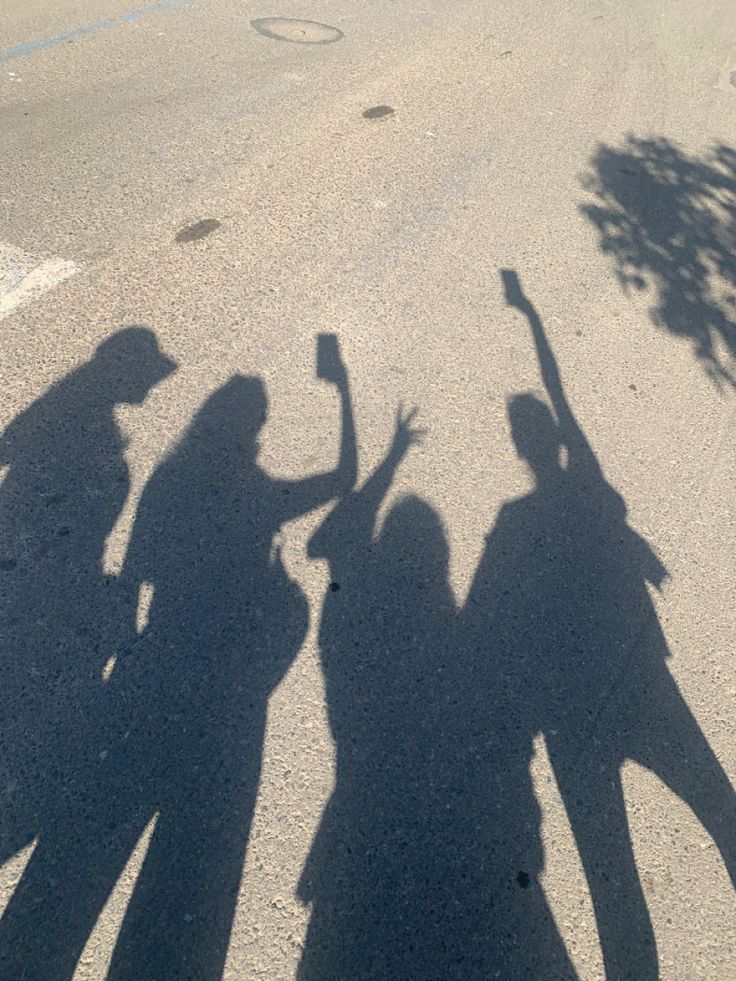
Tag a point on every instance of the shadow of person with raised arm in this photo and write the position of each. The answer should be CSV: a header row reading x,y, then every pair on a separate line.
x,y
66,483
406,877
561,594
377,875
225,624
188,704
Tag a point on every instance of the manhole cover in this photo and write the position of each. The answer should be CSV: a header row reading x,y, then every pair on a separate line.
x,y
298,31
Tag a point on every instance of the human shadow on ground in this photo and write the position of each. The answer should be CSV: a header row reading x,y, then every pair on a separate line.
x,y
428,860
185,707
65,484
561,615
668,220
409,875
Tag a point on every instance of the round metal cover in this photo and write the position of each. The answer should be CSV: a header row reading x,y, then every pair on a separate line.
x,y
297,31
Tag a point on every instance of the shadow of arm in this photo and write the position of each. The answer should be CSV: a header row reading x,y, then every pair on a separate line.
x,y
570,432
354,518
301,496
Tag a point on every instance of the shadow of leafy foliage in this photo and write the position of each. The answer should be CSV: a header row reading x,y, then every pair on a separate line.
x,y
668,219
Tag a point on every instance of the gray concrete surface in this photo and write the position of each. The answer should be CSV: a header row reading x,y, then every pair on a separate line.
x,y
430,752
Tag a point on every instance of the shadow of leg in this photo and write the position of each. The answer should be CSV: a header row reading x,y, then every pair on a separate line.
x,y
180,917
69,878
675,749
594,800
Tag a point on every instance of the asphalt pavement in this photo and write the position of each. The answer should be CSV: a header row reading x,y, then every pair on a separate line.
x,y
366,522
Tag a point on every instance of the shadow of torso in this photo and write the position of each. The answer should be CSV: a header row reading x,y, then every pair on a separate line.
x,y
225,623
66,484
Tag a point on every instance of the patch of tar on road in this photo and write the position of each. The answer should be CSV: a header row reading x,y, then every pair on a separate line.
x,y
297,31
200,229
378,112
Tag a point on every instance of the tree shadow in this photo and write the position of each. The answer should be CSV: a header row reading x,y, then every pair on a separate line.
x,y
668,220
183,718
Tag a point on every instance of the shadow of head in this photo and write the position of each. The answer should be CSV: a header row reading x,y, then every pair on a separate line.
x,y
130,364
535,434
414,529
234,414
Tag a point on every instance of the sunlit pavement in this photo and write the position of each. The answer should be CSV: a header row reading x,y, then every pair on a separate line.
x,y
238,180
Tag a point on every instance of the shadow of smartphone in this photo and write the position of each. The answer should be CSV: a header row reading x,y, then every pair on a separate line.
x,y
512,288
329,363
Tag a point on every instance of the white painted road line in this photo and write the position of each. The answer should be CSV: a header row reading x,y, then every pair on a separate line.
x,y
24,277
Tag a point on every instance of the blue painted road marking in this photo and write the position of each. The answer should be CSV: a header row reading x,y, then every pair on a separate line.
x,y
52,40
